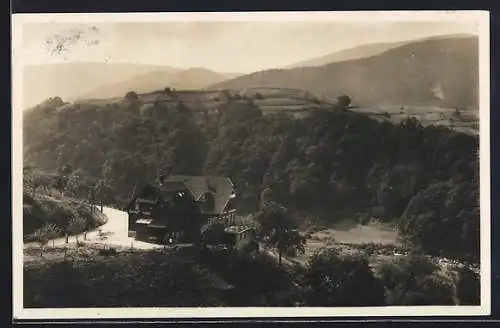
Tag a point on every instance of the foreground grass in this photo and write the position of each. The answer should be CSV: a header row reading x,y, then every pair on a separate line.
x,y
94,277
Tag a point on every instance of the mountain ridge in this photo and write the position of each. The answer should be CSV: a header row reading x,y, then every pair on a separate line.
x,y
187,79
364,51
407,75
72,81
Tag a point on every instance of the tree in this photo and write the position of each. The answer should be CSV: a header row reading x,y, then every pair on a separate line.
x,y
278,229
343,101
331,279
92,198
289,242
73,183
259,96
211,233
75,226
62,178
444,220
99,191
468,287
35,179
266,196
42,236
132,96
60,183
412,280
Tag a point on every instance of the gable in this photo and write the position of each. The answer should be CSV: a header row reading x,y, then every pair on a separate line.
x,y
152,194
221,188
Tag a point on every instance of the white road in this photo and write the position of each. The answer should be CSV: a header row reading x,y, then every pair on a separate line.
x,y
113,233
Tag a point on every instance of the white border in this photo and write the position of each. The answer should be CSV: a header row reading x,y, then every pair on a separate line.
x,y
482,19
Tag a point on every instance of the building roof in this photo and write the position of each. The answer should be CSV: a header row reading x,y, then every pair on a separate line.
x,y
220,187
166,190
158,223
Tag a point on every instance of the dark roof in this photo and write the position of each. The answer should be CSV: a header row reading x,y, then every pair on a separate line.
x,y
221,188
166,190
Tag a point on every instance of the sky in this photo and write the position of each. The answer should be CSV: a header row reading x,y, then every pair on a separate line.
x,y
236,47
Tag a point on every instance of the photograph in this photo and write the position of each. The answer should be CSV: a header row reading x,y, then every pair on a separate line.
x,y
251,164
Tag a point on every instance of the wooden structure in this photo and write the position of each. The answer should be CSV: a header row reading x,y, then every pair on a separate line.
x,y
176,209
238,236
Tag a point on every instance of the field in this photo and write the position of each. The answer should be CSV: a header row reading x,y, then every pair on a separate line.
x,y
465,121
347,234
299,103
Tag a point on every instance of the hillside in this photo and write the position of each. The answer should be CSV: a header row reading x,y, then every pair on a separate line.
x,y
435,72
190,79
359,52
364,51
50,208
72,81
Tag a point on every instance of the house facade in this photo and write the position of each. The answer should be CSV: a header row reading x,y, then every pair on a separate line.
x,y
238,236
175,209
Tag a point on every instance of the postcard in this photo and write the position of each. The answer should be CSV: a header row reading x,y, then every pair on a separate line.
x,y
251,165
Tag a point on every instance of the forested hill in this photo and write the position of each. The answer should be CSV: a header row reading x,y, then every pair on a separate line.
x,y
424,178
439,72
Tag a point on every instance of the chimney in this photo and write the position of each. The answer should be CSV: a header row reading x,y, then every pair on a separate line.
x,y
161,179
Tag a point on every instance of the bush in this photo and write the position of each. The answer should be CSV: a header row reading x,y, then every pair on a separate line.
x,y
468,287
43,210
412,280
343,101
341,280
258,96
108,251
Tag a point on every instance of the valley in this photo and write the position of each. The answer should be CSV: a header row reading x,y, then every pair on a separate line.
x,y
354,173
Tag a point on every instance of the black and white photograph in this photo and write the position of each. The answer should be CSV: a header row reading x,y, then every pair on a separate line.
x,y
273,164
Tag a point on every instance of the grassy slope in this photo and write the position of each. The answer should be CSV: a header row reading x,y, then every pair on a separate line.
x,y
49,206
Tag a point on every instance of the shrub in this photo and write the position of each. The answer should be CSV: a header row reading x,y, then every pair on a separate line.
x,y
412,280
468,287
339,280
107,251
